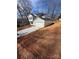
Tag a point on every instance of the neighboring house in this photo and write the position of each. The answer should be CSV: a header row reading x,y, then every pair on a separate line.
x,y
38,21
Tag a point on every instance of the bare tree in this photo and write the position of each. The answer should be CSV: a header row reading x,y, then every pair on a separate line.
x,y
24,8
52,5
19,10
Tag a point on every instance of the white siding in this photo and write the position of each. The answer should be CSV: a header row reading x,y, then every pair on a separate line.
x,y
38,22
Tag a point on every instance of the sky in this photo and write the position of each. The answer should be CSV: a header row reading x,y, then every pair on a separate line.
x,y
45,5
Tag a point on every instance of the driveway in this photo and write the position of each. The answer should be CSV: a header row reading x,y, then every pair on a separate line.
x,y
27,31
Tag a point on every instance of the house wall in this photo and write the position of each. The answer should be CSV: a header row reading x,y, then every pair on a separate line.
x,y
38,22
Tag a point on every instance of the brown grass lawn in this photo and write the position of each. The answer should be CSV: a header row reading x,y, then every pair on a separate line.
x,y
42,44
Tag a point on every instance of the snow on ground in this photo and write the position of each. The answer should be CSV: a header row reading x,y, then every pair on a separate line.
x,y
26,31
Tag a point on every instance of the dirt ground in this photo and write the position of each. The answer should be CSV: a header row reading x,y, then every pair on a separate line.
x,y
42,44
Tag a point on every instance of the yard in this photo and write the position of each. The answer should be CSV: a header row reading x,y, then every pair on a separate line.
x,y
44,43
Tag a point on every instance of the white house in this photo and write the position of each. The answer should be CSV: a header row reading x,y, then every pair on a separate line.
x,y
38,22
